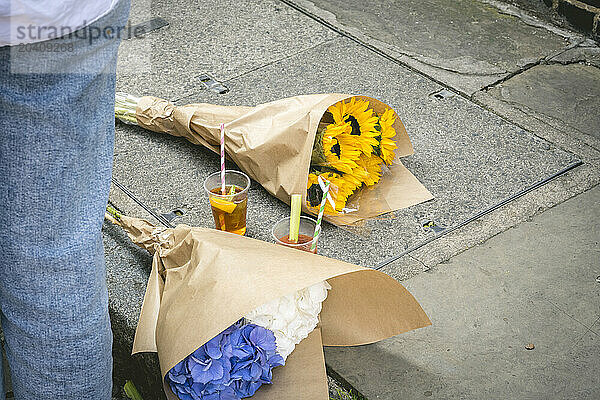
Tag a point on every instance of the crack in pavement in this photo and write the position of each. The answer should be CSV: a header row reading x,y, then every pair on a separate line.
x,y
573,318
283,58
583,335
425,267
395,54
548,59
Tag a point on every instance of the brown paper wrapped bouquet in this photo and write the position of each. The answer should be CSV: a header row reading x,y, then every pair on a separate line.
x,y
354,142
225,312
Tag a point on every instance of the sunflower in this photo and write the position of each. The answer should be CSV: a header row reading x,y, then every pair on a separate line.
x,y
373,167
362,122
360,173
314,193
387,118
351,182
386,132
339,152
387,147
313,190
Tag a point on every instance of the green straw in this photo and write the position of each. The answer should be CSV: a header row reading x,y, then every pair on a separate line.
x,y
320,217
131,391
296,208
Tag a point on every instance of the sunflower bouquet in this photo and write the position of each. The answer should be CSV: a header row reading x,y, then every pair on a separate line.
x,y
293,145
353,145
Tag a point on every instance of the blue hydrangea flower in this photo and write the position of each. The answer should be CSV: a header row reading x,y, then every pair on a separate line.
x,y
231,366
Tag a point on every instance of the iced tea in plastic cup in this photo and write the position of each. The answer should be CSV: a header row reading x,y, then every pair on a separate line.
x,y
281,234
229,208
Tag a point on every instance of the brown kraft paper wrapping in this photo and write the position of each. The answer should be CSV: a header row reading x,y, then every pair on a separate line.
x,y
273,142
204,280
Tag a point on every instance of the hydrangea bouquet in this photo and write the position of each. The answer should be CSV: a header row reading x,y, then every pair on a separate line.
x,y
221,337
231,366
237,362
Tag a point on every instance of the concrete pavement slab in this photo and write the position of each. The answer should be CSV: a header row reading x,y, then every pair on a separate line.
x,y
466,45
588,54
532,284
580,355
565,96
509,215
469,158
222,38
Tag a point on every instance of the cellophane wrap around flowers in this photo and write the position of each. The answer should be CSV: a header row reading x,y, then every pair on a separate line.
x,y
231,366
125,105
291,318
352,147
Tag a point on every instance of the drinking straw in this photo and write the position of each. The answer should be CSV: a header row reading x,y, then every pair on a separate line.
x,y
313,246
296,207
223,159
322,185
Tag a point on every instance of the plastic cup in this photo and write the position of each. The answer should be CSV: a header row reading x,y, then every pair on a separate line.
x,y
228,209
281,232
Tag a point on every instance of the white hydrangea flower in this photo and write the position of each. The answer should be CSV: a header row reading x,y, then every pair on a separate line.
x,y
291,318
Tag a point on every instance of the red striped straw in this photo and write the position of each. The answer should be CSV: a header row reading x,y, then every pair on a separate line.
x,y
222,158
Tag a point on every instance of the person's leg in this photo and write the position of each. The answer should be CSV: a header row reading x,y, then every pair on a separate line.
x,y
56,146
2,389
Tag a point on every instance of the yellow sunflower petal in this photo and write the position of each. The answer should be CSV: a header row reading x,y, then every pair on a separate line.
x,y
312,179
361,173
338,110
387,118
373,166
337,129
387,150
388,132
338,154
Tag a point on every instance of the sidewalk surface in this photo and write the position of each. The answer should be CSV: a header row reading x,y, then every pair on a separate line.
x,y
537,283
502,108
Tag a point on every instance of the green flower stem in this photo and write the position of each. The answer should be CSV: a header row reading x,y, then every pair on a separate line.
x,y
114,213
125,107
131,392
318,154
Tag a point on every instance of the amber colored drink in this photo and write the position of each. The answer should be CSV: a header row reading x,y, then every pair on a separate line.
x,y
285,240
229,211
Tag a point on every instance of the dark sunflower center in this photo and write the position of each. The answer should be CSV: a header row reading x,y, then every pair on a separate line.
x,y
354,125
336,149
314,194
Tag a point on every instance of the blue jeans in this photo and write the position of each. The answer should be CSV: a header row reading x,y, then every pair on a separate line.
x,y
56,147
